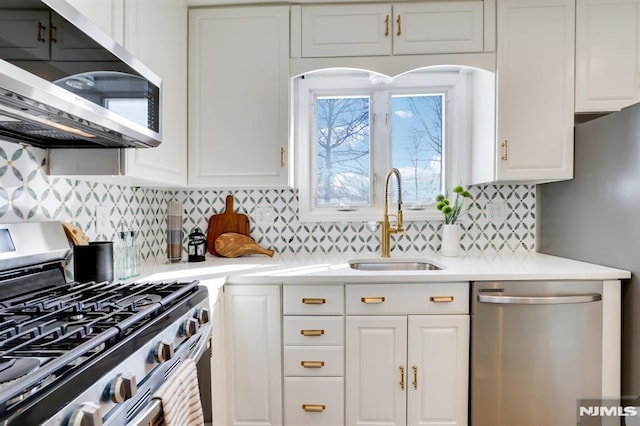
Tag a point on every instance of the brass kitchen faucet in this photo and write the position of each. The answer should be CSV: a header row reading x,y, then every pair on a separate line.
x,y
387,229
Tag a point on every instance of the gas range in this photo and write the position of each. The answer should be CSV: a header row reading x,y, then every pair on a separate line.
x,y
87,353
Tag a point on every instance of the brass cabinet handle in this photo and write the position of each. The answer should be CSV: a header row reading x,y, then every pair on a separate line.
x,y
372,299
441,299
312,332
314,408
399,26
415,377
401,378
282,161
313,301
386,26
505,150
312,364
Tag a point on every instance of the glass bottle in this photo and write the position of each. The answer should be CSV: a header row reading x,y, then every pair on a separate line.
x,y
120,254
128,258
135,255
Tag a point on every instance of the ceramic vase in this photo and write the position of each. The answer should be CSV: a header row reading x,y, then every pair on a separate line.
x,y
450,240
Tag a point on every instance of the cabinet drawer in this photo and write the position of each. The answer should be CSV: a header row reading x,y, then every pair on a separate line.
x,y
381,299
316,331
313,300
314,401
313,361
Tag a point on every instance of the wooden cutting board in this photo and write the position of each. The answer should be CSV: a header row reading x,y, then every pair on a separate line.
x,y
227,221
75,234
231,244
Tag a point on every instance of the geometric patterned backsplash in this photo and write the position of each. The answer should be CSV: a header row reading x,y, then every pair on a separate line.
x,y
28,194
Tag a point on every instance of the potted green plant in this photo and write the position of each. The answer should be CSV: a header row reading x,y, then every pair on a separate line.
x,y
452,211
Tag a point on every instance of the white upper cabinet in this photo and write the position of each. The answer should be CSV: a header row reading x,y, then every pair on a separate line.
x,y
156,33
438,27
346,30
385,29
238,96
108,15
607,54
534,95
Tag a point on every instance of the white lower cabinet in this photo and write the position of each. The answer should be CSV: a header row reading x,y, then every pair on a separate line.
x,y
376,362
253,355
354,355
313,357
407,369
314,401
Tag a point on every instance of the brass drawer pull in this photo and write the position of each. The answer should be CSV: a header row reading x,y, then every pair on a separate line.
x,y
312,364
441,299
313,301
312,332
372,299
401,378
314,408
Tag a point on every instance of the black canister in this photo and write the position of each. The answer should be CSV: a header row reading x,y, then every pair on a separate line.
x,y
93,262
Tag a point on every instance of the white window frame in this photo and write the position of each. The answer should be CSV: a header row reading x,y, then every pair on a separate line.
x,y
454,83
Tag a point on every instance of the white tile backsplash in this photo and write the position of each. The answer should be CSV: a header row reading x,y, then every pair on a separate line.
x,y
28,194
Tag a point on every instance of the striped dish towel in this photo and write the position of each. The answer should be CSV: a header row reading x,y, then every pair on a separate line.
x,y
181,405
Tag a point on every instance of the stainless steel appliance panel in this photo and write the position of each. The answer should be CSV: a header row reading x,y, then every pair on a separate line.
x,y
536,349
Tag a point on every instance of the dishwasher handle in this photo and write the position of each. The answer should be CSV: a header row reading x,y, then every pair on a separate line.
x,y
540,300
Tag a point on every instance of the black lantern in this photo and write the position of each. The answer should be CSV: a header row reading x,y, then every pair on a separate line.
x,y
197,246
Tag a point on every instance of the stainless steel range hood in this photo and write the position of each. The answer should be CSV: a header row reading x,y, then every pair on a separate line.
x,y
65,84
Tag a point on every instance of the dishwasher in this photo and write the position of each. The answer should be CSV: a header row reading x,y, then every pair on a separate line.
x,y
536,350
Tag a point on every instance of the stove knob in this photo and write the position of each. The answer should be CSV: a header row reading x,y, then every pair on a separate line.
x,y
123,387
203,315
87,414
163,351
190,327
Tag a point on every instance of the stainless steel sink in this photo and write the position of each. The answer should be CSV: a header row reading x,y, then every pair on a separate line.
x,y
392,265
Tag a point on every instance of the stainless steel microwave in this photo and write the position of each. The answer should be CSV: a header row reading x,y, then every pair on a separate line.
x,y
64,83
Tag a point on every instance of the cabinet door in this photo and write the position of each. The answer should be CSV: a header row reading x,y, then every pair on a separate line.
x,y
607,54
24,35
238,96
438,27
346,30
438,364
253,353
108,15
375,370
156,32
535,90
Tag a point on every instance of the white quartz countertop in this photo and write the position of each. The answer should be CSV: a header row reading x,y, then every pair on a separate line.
x,y
313,269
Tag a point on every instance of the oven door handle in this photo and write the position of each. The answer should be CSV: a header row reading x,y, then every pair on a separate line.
x,y
152,411
201,346
154,408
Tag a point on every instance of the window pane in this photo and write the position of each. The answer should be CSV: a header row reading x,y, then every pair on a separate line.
x,y
416,145
343,153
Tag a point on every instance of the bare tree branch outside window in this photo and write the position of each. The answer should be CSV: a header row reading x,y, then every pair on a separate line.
x,y
417,143
343,151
